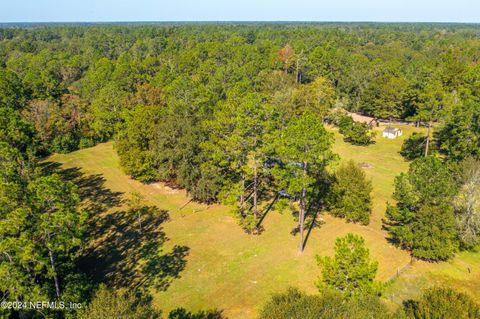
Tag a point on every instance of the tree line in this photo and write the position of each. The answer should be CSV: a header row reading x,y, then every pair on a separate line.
x,y
234,113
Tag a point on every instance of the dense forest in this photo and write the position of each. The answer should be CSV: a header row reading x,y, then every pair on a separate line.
x,y
234,114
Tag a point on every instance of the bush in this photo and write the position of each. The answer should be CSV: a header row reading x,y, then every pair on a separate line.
x,y
350,272
344,122
181,313
112,304
440,302
414,146
435,303
360,134
65,143
86,142
349,195
354,132
328,304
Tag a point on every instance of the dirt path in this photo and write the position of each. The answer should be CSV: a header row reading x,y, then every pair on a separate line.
x,y
357,117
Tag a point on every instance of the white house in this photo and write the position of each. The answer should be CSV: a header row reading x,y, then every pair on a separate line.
x,y
392,132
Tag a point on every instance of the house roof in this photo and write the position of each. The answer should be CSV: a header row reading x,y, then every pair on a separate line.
x,y
390,129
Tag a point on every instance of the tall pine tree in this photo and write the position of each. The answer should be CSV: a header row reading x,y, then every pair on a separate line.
x,y
423,218
304,148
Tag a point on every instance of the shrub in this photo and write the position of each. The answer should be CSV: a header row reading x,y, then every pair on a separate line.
x,y
354,132
360,134
350,271
328,304
110,304
344,122
441,302
86,142
65,143
349,195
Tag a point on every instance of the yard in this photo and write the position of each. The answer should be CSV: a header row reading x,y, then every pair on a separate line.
x,y
212,264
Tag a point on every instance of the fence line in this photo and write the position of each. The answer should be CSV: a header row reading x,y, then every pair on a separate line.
x,y
400,271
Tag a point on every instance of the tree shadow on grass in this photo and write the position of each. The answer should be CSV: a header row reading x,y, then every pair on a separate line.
x,y
313,222
264,213
181,313
95,197
120,252
391,239
129,256
312,219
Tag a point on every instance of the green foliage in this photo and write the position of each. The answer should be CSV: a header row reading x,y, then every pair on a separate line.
x,y
460,135
317,97
77,289
441,302
328,304
59,124
360,134
107,107
98,75
350,194
437,302
14,130
203,106
65,143
428,100
59,225
344,122
238,145
181,313
134,144
467,203
423,219
385,96
305,147
86,142
111,304
414,146
12,93
350,272
428,182
41,229
22,263
202,65
434,234
354,132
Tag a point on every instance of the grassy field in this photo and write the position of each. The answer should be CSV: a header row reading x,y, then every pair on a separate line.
x,y
214,264
461,273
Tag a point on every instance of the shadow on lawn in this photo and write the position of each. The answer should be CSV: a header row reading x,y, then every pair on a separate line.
x,y
95,197
312,219
120,252
126,255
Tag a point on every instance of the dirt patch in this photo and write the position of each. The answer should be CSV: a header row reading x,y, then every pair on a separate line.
x,y
365,165
164,188
170,190
363,118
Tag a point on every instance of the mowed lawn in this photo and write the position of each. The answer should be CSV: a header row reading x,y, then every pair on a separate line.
x,y
229,270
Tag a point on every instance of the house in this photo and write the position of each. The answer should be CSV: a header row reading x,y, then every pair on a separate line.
x,y
392,132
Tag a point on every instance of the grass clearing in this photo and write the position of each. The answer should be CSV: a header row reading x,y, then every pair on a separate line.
x,y
235,272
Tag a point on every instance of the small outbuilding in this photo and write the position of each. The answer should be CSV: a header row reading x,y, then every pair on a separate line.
x,y
392,132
